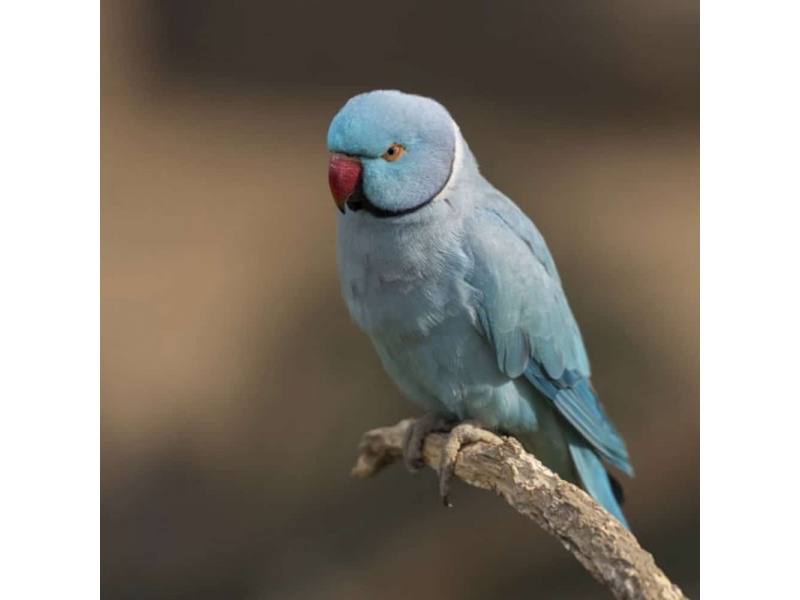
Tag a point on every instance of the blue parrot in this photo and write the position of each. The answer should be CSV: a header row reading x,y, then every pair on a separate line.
x,y
459,294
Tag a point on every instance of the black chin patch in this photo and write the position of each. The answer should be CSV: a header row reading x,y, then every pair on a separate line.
x,y
358,200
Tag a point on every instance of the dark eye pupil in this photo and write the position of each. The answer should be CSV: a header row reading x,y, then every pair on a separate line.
x,y
391,151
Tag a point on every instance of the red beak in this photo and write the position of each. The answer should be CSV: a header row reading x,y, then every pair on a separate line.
x,y
344,175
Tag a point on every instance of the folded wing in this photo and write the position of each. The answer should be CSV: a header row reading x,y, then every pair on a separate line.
x,y
524,314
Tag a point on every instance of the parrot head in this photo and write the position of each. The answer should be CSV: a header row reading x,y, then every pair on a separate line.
x,y
391,153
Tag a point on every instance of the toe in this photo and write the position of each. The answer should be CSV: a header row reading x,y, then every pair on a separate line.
x,y
412,450
463,434
413,455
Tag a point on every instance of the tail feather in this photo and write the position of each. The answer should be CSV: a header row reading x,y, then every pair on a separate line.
x,y
596,480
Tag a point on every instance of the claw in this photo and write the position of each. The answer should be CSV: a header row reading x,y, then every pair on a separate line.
x,y
415,438
461,435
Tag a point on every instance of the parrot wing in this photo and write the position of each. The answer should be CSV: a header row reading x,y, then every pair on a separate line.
x,y
524,314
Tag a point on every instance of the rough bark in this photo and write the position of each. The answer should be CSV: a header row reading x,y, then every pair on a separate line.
x,y
600,543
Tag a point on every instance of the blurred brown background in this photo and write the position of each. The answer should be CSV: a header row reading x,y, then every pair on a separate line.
x,y
235,388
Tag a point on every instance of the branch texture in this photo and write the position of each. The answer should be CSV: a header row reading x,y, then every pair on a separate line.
x,y
600,543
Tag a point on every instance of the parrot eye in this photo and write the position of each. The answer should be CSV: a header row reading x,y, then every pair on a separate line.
x,y
394,152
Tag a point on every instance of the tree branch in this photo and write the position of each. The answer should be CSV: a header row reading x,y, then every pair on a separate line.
x,y
600,543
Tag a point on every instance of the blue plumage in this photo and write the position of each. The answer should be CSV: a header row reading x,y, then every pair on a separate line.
x,y
458,291
595,479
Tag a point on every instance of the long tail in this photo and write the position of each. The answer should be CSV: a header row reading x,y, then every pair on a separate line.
x,y
595,478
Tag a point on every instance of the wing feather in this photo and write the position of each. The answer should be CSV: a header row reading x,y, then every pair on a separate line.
x,y
525,316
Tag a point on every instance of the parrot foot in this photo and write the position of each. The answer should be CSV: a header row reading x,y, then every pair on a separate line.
x,y
416,434
465,433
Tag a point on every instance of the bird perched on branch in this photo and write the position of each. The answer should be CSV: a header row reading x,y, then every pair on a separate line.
x,y
459,294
